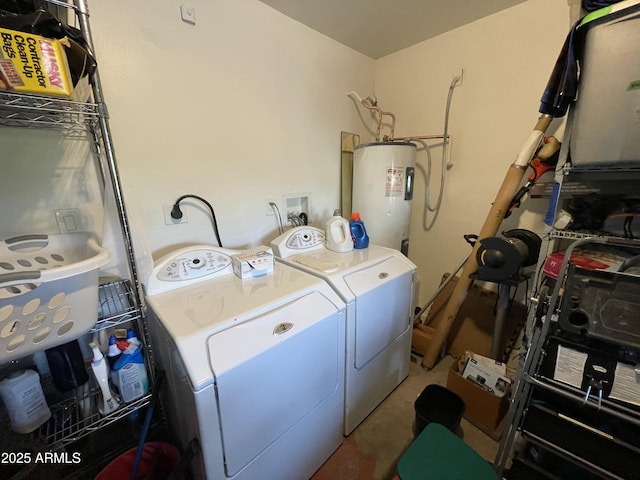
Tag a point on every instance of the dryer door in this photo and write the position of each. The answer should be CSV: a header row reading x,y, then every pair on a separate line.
x,y
384,295
271,371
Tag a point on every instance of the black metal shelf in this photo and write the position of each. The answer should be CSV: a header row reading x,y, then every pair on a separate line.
x,y
592,445
567,455
574,422
578,397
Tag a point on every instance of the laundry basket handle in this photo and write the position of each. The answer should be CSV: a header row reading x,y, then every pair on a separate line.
x,y
19,276
27,241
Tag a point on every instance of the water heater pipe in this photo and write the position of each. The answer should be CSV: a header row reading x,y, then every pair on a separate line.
x,y
372,104
416,137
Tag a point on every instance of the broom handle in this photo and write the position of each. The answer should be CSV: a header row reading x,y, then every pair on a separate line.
x,y
491,225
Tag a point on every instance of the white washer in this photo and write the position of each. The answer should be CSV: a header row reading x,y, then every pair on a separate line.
x,y
377,284
254,367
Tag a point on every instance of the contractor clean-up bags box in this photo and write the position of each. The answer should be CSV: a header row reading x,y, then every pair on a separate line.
x,y
31,63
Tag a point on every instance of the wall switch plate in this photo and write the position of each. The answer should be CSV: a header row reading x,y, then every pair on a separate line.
x,y
188,14
68,219
168,220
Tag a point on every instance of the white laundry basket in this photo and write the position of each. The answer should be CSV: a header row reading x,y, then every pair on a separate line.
x,y
48,291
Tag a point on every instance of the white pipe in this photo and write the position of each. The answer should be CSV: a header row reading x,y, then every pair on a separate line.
x,y
355,96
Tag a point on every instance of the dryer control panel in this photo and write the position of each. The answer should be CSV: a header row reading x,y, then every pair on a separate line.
x,y
190,265
298,240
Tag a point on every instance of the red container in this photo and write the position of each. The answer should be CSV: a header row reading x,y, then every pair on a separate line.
x,y
158,461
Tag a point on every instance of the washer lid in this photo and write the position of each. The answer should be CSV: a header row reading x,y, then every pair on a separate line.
x,y
336,267
193,313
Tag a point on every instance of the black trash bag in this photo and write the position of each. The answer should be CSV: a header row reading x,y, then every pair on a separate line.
x,y
32,16
589,212
21,7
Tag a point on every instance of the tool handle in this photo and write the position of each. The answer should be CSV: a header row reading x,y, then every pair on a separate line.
x,y
491,225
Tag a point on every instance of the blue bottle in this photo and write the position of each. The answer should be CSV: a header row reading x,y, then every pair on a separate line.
x,y
358,232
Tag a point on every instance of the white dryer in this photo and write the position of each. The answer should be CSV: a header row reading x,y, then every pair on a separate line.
x,y
254,367
377,284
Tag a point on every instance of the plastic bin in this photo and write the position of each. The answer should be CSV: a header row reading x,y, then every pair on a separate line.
x,y
438,404
48,291
158,461
437,453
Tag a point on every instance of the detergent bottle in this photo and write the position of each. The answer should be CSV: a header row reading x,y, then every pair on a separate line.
x,y
107,401
358,232
131,374
337,234
25,402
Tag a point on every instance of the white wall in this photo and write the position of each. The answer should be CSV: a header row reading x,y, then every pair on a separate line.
x,y
249,104
507,59
244,106
44,172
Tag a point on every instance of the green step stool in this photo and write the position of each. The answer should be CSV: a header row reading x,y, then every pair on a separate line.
x,y
438,454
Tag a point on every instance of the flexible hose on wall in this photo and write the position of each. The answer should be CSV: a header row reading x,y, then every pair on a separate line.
x,y
372,104
445,163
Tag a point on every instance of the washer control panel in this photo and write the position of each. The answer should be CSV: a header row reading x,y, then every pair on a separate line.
x,y
194,264
190,265
298,240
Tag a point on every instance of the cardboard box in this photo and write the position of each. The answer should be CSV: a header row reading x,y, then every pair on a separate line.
x,y
499,367
34,64
482,408
253,263
472,329
485,376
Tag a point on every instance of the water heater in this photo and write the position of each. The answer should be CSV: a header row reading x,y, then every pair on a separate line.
x,y
383,174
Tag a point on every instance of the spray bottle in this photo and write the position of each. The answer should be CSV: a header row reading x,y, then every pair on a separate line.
x,y
132,338
107,402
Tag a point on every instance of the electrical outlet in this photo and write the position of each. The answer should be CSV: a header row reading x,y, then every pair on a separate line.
x,y
169,220
269,210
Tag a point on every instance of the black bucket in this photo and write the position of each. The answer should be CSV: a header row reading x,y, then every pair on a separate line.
x,y
437,404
